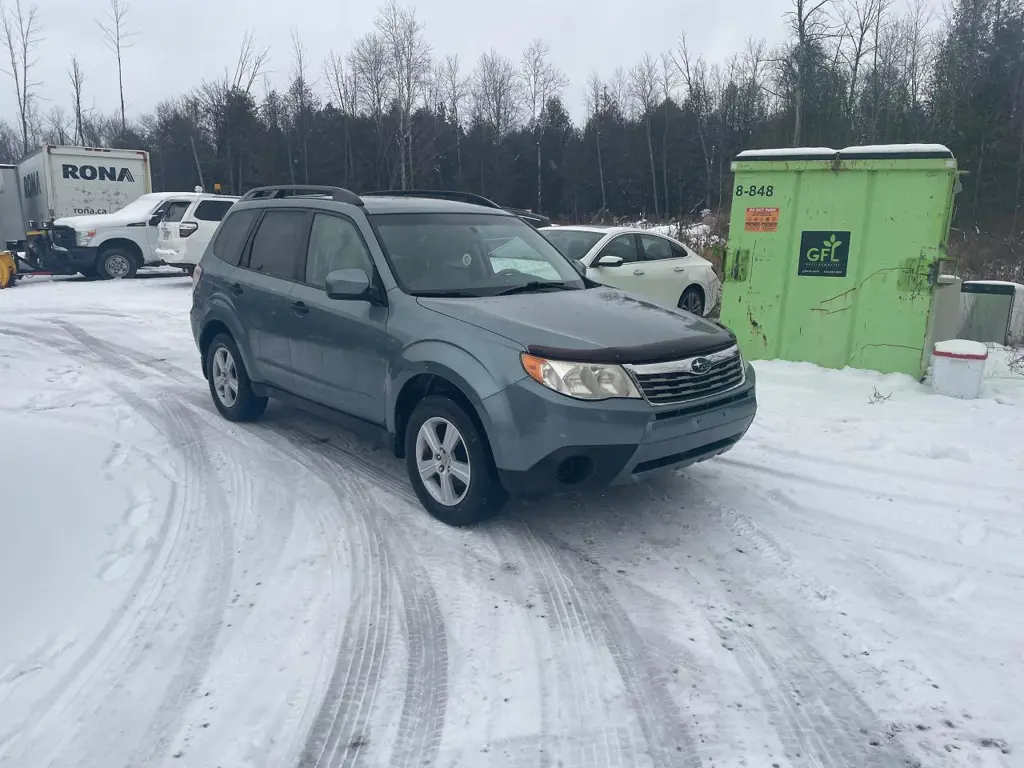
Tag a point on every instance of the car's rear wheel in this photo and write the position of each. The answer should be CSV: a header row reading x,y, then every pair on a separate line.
x,y
116,264
230,386
692,301
450,464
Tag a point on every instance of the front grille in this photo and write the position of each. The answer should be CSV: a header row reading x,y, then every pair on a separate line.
x,y
675,382
63,237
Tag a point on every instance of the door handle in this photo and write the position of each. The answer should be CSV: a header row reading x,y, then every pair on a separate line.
x,y
300,308
679,269
638,271
236,289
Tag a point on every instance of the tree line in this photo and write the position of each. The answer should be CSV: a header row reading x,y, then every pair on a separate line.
x,y
656,140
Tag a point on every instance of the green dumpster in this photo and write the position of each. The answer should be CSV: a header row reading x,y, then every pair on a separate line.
x,y
834,256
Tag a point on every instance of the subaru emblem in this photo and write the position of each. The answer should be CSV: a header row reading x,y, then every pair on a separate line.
x,y
700,365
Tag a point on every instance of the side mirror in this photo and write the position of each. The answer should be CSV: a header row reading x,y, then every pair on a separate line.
x,y
609,261
351,284
155,219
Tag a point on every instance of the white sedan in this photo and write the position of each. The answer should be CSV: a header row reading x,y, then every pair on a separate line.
x,y
641,262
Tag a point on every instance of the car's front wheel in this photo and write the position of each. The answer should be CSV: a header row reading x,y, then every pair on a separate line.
x,y
450,464
229,382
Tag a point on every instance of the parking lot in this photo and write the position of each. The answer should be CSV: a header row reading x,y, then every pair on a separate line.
x,y
844,588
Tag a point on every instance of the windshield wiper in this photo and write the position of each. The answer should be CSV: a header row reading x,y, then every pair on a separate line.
x,y
537,285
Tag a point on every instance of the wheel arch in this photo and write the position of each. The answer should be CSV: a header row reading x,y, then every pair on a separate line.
x,y
124,244
424,384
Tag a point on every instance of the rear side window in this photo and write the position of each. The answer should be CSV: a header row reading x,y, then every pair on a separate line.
x,y
231,236
279,244
213,210
176,211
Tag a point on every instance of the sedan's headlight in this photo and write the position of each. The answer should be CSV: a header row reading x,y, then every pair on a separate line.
x,y
584,381
83,237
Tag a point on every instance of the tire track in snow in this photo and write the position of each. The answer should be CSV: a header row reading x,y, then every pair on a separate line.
x,y
817,712
663,725
115,662
426,687
650,700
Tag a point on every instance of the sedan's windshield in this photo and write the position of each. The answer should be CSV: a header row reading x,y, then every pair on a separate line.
x,y
471,255
572,243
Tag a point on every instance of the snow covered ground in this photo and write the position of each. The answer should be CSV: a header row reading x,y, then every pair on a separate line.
x,y
846,588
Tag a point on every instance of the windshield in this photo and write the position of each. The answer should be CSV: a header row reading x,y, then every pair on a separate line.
x,y
470,254
573,243
142,206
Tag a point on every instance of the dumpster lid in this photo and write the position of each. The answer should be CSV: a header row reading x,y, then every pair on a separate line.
x,y
897,151
788,153
868,152
961,349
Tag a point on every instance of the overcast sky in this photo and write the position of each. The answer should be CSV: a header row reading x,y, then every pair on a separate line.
x,y
181,42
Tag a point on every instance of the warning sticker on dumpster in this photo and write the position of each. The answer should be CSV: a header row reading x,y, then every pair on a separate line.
x,y
762,220
824,254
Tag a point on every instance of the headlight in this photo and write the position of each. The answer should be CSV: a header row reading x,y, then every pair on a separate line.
x,y
584,381
83,238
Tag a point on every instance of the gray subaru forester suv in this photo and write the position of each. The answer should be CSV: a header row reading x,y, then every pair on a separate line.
x,y
462,338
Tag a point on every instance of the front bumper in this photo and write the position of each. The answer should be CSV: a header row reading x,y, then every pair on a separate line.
x,y
53,251
544,442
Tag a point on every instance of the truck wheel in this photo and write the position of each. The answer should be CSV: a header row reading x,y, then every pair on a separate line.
x,y
450,465
115,264
229,382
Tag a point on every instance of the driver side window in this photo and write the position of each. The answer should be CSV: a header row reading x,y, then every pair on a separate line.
x,y
334,243
623,246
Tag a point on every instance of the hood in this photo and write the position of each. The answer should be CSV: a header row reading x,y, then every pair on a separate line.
x,y
100,220
597,325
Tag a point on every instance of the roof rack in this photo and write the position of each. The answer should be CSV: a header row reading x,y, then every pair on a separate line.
x,y
437,194
277,192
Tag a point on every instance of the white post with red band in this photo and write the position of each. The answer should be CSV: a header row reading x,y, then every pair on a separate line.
x,y
958,368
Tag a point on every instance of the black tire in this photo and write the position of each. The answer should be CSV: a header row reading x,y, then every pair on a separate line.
x,y
247,406
692,297
115,264
484,496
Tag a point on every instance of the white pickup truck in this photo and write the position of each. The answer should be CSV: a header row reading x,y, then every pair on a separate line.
x,y
117,245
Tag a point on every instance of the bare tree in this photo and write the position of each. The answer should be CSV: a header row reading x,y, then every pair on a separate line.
x,y
595,107
645,88
456,91
496,92
77,77
301,94
408,66
250,64
58,127
368,62
117,37
694,73
22,33
810,22
859,19
667,82
343,86
541,81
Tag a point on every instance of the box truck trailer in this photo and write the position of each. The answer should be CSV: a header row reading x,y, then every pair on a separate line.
x,y
81,181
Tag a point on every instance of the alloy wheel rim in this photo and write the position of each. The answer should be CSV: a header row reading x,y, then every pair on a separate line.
x,y
225,377
691,303
442,461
